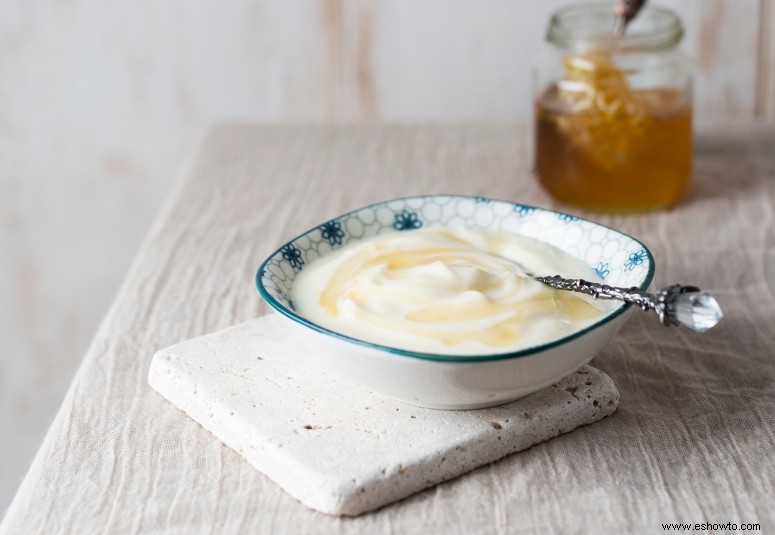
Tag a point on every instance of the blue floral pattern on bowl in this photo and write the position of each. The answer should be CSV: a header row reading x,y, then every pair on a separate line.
x,y
602,270
292,255
523,210
635,259
407,220
611,255
332,231
567,218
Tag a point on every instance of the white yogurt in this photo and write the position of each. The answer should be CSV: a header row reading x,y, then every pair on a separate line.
x,y
446,291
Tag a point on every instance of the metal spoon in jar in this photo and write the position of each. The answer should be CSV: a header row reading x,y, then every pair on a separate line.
x,y
675,305
625,11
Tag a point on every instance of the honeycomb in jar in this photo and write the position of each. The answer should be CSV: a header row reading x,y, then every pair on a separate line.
x,y
605,118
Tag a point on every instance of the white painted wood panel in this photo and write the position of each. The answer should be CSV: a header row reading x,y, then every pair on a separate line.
x,y
466,59
765,94
722,39
99,104
443,59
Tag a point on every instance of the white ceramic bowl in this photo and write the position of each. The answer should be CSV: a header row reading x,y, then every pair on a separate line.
x,y
449,381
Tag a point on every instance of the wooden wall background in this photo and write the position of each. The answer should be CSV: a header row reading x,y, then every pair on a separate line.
x,y
100,103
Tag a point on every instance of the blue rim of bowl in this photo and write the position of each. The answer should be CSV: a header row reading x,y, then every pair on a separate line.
x,y
440,357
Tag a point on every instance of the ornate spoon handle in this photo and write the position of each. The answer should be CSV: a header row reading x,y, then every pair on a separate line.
x,y
675,305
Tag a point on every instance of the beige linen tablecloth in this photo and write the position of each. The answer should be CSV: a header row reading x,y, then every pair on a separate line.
x,y
693,439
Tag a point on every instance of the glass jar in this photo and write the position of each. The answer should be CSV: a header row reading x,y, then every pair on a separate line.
x,y
613,116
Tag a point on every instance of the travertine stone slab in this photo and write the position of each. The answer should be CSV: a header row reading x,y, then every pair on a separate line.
x,y
340,448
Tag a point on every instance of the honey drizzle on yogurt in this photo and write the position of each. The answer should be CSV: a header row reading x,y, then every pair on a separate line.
x,y
444,291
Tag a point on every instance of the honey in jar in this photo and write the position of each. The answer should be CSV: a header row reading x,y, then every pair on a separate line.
x,y
610,134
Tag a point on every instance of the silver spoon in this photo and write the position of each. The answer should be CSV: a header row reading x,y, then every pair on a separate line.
x,y
675,305
625,11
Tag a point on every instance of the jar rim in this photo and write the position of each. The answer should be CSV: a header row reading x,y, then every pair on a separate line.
x,y
585,26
